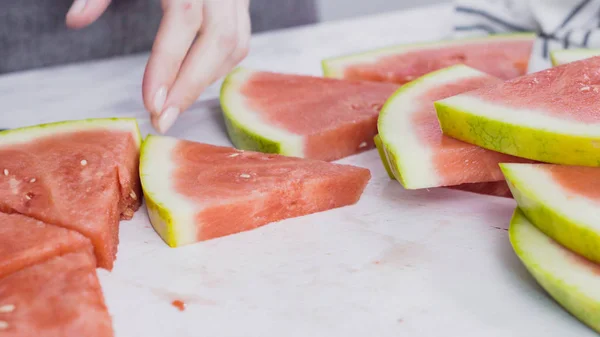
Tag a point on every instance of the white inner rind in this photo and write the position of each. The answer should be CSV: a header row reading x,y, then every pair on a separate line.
x,y
157,169
533,119
335,66
291,144
542,187
31,133
552,260
571,55
415,158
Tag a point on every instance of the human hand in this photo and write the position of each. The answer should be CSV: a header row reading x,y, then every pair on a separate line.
x,y
198,42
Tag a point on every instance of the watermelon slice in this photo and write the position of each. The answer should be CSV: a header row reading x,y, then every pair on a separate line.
x,y
569,278
196,191
25,241
80,175
562,56
57,298
562,201
550,116
301,116
417,152
503,56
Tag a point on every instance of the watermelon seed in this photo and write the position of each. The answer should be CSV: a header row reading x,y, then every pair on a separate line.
x,y
245,175
233,155
32,180
3,325
586,88
83,162
28,196
363,144
7,308
5,172
133,195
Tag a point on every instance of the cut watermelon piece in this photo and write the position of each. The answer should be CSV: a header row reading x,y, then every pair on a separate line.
x,y
503,56
417,152
550,116
301,116
562,201
25,242
569,278
57,298
563,56
494,188
80,175
196,191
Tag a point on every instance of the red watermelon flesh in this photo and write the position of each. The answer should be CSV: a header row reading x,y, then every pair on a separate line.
x,y
81,180
25,242
570,92
493,188
330,118
278,188
58,298
505,59
196,191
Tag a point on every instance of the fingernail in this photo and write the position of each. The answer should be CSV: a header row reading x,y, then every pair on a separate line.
x,y
77,7
167,118
159,99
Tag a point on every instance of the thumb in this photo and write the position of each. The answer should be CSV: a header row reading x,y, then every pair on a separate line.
x,y
84,12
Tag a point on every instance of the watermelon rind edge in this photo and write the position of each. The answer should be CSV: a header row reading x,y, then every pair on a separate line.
x,y
384,160
161,219
571,284
243,136
539,144
563,56
328,65
28,133
553,221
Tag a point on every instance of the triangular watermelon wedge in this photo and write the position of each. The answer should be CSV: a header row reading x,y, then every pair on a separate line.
x,y
57,298
417,152
25,242
196,191
550,116
563,56
503,56
81,175
562,201
569,278
299,115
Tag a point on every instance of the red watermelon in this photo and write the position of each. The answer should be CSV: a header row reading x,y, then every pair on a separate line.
x,y
502,56
80,175
196,191
301,116
25,242
57,298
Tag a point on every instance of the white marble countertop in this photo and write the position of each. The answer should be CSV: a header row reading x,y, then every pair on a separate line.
x,y
398,263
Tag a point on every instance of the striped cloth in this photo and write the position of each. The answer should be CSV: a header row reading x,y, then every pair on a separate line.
x,y
560,24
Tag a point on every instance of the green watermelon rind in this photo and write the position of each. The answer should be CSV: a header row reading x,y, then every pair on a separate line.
x,y
557,56
553,222
15,135
518,140
244,136
384,160
161,218
575,298
328,64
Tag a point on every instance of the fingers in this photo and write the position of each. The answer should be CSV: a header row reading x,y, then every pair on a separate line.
x,y
84,12
178,28
222,44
